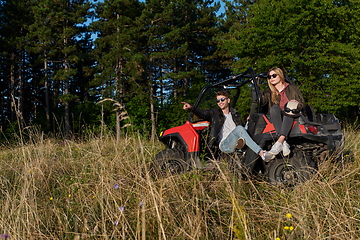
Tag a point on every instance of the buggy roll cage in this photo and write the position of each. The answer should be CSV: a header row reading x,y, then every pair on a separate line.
x,y
237,82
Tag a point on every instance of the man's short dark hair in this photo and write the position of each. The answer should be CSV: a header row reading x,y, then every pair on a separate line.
x,y
223,93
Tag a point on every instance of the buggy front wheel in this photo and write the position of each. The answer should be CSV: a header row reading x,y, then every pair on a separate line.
x,y
169,162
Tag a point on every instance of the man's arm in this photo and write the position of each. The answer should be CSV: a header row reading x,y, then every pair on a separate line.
x,y
203,114
187,106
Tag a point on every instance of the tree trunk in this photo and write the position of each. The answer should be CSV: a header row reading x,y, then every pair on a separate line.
x,y
118,135
152,111
20,100
47,99
67,107
12,89
118,96
153,115
119,90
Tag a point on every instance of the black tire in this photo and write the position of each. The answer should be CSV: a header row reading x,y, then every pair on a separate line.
x,y
169,162
290,171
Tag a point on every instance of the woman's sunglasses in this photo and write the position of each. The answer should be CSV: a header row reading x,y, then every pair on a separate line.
x,y
272,76
294,111
221,99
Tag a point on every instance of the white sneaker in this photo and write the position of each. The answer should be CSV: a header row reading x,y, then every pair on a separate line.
x,y
286,149
267,156
276,148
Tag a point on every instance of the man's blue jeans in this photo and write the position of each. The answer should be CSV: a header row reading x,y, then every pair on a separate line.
x,y
228,145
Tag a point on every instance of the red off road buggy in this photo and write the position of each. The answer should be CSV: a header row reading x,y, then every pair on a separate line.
x,y
313,138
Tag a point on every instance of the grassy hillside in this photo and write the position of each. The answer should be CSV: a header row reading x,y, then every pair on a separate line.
x,y
100,189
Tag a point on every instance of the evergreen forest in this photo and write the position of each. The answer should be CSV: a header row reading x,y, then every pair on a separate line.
x,y
69,67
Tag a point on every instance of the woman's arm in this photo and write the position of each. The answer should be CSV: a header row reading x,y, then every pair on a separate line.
x,y
295,94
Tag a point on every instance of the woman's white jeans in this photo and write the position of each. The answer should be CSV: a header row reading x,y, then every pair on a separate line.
x,y
228,145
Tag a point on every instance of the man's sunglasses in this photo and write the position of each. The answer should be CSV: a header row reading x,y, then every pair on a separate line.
x,y
272,76
221,99
294,111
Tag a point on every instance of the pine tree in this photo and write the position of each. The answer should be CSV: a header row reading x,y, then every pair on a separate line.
x,y
117,50
54,37
15,75
180,52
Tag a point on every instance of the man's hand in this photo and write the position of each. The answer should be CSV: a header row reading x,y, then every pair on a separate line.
x,y
187,106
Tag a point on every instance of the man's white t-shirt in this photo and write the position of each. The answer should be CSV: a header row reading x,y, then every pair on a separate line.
x,y
228,126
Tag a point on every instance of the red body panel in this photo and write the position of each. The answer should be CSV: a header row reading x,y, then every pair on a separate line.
x,y
302,128
269,128
189,133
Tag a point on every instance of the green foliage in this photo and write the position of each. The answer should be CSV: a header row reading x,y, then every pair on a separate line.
x,y
156,54
117,47
171,113
138,108
67,98
87,115
172,116
314,41
11,133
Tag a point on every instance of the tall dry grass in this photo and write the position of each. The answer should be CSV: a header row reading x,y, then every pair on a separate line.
x,y
101,189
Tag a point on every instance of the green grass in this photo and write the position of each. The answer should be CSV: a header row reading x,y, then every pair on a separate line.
x,y
101,189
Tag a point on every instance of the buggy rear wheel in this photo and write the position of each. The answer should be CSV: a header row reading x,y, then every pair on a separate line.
x,y
290,171
169,162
